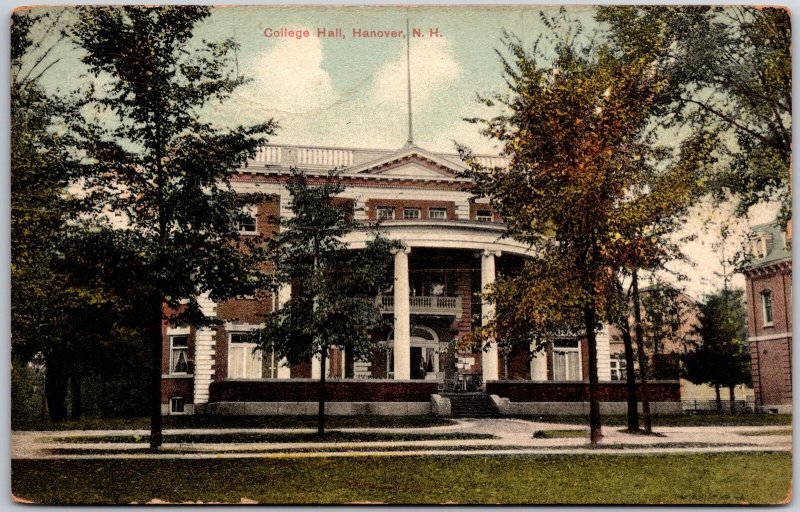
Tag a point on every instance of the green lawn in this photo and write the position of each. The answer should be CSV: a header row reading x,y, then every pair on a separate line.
x,y
178,422
721,478
699,420
290,437
781,432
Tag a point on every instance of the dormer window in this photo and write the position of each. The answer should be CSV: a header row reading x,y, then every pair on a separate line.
x,y
483,216
766,307
762,245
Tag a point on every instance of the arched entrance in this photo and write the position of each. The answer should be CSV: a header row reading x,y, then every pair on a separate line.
x,y
424,352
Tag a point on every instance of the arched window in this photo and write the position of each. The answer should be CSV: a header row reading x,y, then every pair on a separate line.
x,y
766,307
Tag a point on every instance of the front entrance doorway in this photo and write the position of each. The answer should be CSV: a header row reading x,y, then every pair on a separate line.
x,y
418,369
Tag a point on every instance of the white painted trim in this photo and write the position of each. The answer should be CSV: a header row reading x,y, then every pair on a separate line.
x,y
178,331
768,337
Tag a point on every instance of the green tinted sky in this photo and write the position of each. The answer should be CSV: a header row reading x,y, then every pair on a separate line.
x,y
352,91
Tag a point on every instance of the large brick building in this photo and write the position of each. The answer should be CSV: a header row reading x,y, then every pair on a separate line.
x,y
454,247
769,318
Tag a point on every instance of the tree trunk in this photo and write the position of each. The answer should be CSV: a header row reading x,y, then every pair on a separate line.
x,y
56,380
719,399
732,397
75,387
637,316
630,378
155,378
322,393
595,429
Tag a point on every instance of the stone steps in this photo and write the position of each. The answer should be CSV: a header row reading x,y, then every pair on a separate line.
x,y
471,405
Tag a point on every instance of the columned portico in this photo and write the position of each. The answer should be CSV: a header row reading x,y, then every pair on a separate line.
x,y
489,359
538,364
402,316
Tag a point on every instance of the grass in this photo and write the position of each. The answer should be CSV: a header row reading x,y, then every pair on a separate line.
x,y
712,478
786,432
701,420
554,434
332,449
290,437
189,421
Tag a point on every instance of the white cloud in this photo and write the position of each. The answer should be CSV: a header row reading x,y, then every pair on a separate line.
x,y
289,78
433,68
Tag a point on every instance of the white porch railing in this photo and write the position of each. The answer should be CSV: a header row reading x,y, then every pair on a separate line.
x,y
423,305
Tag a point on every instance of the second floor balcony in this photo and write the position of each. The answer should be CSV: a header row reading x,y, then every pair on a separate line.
x,y
424,305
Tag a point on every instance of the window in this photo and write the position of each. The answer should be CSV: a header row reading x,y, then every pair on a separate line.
x,y
271,364
177,405
618,367
411,213
483,216
385,213
762,245
766,307
566,360
179,354
437,213
247,224
244,362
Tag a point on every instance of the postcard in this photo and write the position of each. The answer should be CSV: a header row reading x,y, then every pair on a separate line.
x,y
450,254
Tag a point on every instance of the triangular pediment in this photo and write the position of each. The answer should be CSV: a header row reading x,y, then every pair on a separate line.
x,y
412,163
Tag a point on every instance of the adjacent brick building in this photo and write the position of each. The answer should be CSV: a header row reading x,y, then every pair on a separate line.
x,y
769,318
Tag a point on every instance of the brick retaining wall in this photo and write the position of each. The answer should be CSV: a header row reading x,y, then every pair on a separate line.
x,y
528,391
339,390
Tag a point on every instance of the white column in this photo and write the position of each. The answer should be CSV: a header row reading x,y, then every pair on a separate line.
x,y
281,298
603,354
402,316
539,364
489,359
316,366
204,352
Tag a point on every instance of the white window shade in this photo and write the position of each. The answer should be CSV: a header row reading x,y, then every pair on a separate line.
x,y
243,361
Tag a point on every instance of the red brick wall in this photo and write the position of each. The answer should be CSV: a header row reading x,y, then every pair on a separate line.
x,y
779,282
301,371
770,358
182,387
521,391
519,366
364,390
399,204
463,325
474,207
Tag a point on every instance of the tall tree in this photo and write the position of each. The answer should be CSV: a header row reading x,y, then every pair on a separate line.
x,y
721,357
163,169
41,167
573,120
588,186
333,287
731,69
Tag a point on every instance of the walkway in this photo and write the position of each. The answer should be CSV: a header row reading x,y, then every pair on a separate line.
x,y
513,436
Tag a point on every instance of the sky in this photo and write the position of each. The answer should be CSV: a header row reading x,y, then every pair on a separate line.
x,y
351,91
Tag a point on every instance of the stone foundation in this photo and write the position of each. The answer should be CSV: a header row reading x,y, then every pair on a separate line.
x,y
311,408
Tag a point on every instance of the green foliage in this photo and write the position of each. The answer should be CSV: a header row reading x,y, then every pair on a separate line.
x,y
721,357
729,70
333,287
157,164
587,186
